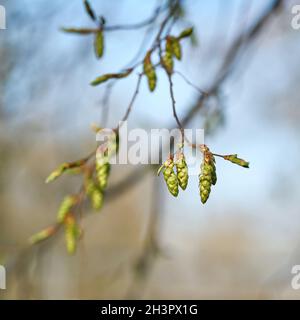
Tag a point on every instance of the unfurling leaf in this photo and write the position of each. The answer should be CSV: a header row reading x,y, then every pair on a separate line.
x,y
109,76
65,167
234,159
89,10
57,172
65,207
185,33
42,235
99,44
149,71
82,31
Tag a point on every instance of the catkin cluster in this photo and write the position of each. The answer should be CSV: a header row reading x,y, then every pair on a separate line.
x,y
72,233
173,49
178,179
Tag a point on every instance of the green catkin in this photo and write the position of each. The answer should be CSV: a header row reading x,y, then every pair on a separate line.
x,y
97,199
214,174
207,176
65,207
170,177
149,71
89,186
182,171
95,194
102,172
176,49
167,62
70,233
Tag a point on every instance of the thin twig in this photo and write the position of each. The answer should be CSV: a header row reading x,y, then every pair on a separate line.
x,y
105,103
190,83
135,26
180,126
129,108
230,58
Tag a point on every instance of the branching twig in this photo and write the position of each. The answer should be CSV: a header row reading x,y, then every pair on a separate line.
x,y
202,92
174,109
230,57
127,113
135,26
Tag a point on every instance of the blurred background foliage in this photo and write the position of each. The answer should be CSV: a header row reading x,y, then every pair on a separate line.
x,y
241,244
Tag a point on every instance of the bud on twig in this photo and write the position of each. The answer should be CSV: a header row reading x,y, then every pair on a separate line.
x,y
89,10
185,33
